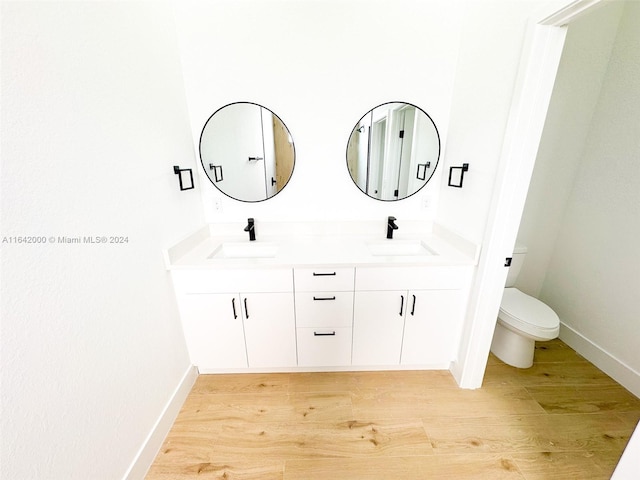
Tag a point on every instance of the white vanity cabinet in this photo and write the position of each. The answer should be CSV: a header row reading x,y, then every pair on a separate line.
x,y
237,318
408,315
324,315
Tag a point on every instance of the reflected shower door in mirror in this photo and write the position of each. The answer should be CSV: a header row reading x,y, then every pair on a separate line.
x,y
247,152
393,151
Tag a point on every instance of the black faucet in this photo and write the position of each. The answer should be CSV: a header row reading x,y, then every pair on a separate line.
x,y
251,228
391,226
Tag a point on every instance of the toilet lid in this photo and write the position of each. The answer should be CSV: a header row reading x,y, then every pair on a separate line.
x,y
526,312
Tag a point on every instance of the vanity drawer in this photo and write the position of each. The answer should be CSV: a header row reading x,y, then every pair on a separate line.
x,y
232,280
407,278
324,347
323,279
324,309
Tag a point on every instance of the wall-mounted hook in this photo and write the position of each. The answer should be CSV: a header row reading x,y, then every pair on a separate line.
x,y
179,171
456,175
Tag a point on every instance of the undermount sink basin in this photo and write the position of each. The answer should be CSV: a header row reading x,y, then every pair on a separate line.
x,y
245,250
405,248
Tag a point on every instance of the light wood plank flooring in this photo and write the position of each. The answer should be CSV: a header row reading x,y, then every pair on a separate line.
x,y
561,419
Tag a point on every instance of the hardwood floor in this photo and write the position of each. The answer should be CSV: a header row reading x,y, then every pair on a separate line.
x,y
563,418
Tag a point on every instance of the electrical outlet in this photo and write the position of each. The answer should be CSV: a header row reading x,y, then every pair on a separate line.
x,y
217,205
426,203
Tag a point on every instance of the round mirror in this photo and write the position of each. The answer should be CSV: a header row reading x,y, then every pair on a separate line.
x,y
393,151
247,152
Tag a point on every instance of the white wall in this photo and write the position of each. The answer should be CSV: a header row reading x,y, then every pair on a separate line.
x,y
319,65
593,279
492,37
585,258
93,119
575,96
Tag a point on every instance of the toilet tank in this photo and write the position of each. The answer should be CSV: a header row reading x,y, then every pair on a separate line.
x,y
517,259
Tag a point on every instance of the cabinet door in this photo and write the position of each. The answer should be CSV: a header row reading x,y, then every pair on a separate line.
x,y
378,323
213,329
270,329
432,326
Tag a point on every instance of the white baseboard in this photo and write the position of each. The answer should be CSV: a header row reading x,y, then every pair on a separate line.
x,y
153,442
605,361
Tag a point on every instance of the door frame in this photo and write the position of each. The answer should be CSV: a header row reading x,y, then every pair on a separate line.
x,y
541,53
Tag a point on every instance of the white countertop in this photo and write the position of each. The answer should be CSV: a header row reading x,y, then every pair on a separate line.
x,y
320,244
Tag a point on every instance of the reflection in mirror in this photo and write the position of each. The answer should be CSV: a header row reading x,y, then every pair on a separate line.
x,y
393,151
247,152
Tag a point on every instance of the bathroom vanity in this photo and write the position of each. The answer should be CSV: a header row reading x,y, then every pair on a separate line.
x,y
317,297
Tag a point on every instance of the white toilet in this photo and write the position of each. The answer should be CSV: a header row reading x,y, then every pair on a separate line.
x,y
522,320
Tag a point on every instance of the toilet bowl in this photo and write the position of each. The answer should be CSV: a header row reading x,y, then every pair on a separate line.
x,y
522,321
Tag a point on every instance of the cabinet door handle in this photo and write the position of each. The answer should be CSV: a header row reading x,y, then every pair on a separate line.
x,y
316,334
332,274
413,307
324,298
401,304
246,310
233,305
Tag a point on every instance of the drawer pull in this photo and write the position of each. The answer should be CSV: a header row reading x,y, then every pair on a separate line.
x,y
413,307
233,304
401,304
316,334
324,298
246,309
332,274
